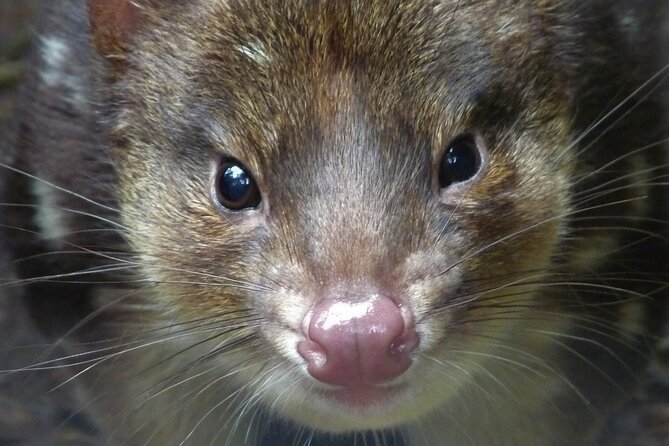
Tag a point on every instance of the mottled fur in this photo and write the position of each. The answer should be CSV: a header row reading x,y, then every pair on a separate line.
x,y
530,292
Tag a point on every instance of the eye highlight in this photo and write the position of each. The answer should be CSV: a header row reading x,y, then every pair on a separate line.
x,y
236,189
460,162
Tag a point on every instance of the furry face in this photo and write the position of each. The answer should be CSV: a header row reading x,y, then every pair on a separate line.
x,y
351,208
361,216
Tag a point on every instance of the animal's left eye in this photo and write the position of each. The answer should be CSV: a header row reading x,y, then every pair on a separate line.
x,y
460,162
235,187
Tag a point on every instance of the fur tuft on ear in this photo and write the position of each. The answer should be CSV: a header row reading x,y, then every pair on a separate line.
x,y
114,22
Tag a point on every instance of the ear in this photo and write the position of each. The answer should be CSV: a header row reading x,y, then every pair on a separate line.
x,y
115,22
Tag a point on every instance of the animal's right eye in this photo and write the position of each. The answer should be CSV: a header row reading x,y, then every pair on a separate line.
x,y
236,189
460,162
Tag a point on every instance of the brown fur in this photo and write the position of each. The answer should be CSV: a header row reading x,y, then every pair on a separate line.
x,y
342,110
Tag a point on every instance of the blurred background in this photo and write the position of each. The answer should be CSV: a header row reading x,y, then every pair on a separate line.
x,y
33,410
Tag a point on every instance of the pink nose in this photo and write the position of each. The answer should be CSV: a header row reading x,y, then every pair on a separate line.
x,y
358,344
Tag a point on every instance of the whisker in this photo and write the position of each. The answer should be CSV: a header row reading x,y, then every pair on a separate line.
x,y
59,188
661,74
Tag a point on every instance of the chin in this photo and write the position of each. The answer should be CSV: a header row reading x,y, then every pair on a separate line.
x,y
340,410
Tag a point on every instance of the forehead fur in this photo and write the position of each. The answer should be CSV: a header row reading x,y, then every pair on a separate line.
x,y
418,60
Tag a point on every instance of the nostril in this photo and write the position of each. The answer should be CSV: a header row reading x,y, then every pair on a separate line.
x,y
358,344
406,343
312,353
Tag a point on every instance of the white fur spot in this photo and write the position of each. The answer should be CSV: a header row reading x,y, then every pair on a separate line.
x,y
49,217
57,70
55,53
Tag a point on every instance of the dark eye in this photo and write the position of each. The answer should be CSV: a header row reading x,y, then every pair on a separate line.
x,y
460,162
235,187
